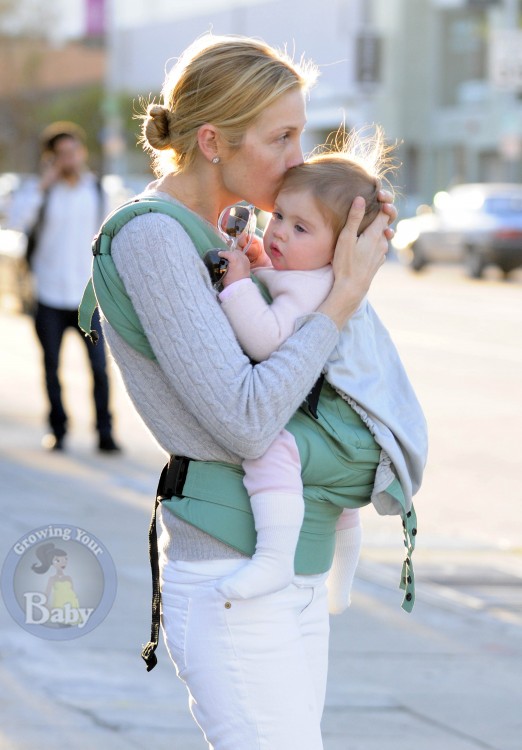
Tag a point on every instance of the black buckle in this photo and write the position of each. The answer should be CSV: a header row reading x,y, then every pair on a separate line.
x,y
173,477
96,245
313,397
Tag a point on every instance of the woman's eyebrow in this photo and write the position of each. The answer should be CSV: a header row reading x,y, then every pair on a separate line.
x,y
284,128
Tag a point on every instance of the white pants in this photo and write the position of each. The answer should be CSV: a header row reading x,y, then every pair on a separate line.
x,y
255,669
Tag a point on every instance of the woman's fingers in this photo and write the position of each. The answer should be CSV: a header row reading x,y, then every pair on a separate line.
x,y
358,258
389,233
389,212
355,216
389,209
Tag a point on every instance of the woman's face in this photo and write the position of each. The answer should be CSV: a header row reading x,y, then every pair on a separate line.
x,y
60,562
254,171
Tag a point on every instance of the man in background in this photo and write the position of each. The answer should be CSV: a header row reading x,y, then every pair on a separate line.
x,y
61,216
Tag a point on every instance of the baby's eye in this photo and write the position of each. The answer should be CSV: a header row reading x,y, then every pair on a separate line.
x,y
277,216
299,228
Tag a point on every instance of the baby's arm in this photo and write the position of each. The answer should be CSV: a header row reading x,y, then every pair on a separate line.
x,y
241,263
260,327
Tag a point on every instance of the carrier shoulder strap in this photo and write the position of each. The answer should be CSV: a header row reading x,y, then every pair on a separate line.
x,y
33,234
105,287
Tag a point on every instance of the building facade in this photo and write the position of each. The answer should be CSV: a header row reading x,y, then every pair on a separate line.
x,y
429,71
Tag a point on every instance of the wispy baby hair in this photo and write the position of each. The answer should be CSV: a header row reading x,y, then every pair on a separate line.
x,y
335,174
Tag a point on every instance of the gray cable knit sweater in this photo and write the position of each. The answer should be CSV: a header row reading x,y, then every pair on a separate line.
x,y
202,398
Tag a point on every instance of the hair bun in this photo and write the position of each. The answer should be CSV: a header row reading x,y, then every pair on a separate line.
x,y
156,127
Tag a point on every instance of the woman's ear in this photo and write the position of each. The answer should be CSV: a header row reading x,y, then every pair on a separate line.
x,y
208,140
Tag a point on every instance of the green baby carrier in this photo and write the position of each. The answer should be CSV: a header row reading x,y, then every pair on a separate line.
x,y
106,290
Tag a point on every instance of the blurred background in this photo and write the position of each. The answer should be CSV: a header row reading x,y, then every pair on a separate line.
x,y
443,77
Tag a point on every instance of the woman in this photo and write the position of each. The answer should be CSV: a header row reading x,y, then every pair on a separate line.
x,y
229,127
60,590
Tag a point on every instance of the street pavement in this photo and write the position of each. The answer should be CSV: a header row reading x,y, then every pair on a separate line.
x,y
445,677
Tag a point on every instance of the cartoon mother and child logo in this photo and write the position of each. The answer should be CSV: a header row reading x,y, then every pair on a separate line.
x,y
58,582
61,598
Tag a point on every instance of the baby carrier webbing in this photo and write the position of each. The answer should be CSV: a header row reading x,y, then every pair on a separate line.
x,y
106,289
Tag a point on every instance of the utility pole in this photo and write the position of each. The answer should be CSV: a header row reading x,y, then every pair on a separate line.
x,y
113,137
506,77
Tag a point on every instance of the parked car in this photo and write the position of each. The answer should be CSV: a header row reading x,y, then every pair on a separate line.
x,y
475,224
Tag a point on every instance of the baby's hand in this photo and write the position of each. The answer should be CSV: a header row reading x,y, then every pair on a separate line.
x,y
238,266
256,252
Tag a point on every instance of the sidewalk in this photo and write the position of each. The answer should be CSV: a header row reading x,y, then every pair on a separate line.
x,y
446,677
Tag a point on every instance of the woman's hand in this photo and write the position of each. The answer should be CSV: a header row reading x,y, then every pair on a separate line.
x,y
388,208
357,259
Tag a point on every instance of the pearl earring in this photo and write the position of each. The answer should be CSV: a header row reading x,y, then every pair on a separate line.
x,y
216,160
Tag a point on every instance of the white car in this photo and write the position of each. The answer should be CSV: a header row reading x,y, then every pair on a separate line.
x,y
476,224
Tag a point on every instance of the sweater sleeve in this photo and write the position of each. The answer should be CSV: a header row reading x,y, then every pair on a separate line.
x,y
243,407
261,327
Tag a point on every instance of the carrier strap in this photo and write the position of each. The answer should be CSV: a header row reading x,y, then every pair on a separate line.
x,y
170,485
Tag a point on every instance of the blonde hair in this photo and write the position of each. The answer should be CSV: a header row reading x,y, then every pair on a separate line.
x,y
227,81
335,175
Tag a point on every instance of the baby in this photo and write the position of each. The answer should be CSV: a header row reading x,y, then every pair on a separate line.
x,y
310,211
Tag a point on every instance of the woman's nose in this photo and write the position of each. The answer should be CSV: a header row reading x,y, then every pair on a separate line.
x,y
296,157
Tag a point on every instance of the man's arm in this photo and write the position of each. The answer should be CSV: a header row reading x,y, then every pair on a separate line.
x,y
24,206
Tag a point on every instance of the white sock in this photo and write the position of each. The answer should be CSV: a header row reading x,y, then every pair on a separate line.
x,y
340,578
278,517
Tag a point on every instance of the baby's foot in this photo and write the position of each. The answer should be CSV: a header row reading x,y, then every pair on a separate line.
x,y
278,518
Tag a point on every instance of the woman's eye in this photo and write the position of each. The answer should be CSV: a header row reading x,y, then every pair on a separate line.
x,y
284,137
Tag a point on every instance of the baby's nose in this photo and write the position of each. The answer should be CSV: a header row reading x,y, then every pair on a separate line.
x,y
280,231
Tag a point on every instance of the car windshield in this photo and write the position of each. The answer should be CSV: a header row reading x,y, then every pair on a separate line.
x,y
503,204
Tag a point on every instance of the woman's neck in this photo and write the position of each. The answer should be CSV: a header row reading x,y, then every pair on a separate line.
x,y
188,189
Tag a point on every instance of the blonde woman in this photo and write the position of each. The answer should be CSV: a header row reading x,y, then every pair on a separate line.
x,y
228,128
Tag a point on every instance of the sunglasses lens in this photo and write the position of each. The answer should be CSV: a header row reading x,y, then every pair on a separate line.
x,y
237,225
234,220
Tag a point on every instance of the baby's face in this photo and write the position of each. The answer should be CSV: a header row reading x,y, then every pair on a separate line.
x,y
297,238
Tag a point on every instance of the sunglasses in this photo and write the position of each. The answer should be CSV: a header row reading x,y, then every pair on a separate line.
x,y
236,223
237,226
